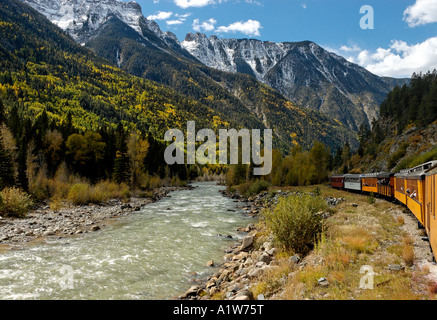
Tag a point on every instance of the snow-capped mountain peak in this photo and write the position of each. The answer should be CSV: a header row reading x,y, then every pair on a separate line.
x,y
302,71
82,18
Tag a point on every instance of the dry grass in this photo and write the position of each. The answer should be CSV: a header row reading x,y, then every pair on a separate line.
x,y
400,221
367,235
272,280
84,193
408,251
432,288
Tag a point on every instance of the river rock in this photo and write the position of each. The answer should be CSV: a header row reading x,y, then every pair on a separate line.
x,y
323,282
244,294
191,292
241,256
210,263
247,243
272,251
294,259
396,267
213,291
255,273
265,257
229,257
210,284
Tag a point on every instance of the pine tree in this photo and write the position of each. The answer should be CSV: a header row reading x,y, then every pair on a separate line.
x,y
122,169
2,112
6,167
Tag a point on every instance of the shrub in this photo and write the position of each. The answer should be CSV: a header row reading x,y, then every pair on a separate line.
x,y
243,188
408,252
423,158
371,198
317,191
257,187
84,193
396,156
79,193
295,223
14,203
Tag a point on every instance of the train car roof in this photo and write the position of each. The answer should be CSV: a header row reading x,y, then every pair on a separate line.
x,y
352,175
418,171
432,170
385,175
338,176
369,175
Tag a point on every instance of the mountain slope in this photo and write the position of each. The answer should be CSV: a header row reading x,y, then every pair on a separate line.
x,y
41,68
239,98
406,134
302,71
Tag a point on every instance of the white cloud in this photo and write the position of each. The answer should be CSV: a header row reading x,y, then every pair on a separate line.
x,y
398,60
193,3
161,15
353,48
420,13
179,19
183,16
203,3
205,26
250,28
174,22
254,2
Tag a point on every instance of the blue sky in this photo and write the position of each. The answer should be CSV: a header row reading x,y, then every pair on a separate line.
x,y
404,38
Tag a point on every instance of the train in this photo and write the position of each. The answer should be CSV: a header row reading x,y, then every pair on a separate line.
x,y
415,188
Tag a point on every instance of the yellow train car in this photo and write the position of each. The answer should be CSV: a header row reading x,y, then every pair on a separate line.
x,y
400,186
430,206
386,183
415,190
369,182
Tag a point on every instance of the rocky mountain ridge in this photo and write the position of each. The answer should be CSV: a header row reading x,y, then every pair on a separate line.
x,y
303,71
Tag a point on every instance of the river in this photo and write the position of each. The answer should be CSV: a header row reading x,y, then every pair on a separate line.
x,y
152,254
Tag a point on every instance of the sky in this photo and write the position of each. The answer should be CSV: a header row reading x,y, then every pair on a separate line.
x,y
399,38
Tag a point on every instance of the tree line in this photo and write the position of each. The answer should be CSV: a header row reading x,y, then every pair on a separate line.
x,y
35,150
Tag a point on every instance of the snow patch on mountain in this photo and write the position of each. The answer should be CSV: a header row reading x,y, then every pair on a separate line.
x,y
82,18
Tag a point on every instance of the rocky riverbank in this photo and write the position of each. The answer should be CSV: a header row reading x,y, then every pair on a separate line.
x,y
245,263
72,220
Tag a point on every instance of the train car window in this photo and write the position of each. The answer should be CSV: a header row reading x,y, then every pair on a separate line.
x,y
412,188
400,185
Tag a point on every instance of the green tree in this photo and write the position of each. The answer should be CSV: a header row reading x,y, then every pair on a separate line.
x,y
6,167
319,157
2,112
122,167
85,153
